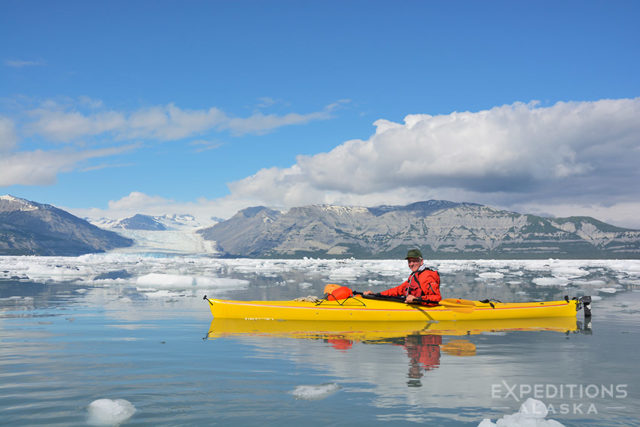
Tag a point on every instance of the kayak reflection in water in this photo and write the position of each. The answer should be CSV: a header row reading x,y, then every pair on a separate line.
x,y
423,351
422,283
424,354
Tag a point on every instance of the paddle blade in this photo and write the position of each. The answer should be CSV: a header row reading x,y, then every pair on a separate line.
x,y
458,305
458,302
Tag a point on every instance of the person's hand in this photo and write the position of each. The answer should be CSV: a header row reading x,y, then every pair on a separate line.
x,y
367,293
409,298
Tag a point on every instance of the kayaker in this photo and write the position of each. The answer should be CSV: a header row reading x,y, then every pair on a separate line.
x,y
422,283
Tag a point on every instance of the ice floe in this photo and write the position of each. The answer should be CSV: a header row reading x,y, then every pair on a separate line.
x,y
315,392
551,281
108,412
491,275
532,413
469,278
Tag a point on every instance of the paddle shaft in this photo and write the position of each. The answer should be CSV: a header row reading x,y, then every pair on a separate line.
x,y
394,298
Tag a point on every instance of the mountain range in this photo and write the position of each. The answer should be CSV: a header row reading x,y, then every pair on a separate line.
x,y
30,228
441,229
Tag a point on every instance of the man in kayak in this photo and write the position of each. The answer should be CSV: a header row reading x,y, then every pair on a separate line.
x,y
422,283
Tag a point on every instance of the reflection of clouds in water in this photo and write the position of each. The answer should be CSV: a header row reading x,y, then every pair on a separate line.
x,y
129,304
383,369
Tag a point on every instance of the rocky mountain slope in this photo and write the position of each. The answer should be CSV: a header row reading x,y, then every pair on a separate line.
x,y
29,228
441,229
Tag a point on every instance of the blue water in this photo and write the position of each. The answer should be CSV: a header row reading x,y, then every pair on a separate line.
x,y
64,345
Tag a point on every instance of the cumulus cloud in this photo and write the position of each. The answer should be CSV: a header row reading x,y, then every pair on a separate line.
x,y
165,122
512,149
136,201
567,158
140,203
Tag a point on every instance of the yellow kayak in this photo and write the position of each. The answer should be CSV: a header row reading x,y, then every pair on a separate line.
x,y
359,308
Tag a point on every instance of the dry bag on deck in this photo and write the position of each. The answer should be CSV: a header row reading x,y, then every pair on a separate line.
x,y
335,292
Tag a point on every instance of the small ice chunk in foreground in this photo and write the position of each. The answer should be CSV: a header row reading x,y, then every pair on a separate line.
x,y
107,412
531,414
315,392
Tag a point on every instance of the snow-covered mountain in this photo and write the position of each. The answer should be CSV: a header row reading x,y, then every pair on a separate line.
x,y
441,229
175,234
30,228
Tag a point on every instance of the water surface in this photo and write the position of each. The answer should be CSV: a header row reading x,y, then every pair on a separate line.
x,y
74,330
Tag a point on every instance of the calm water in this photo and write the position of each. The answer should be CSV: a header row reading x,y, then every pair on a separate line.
x,y
65,343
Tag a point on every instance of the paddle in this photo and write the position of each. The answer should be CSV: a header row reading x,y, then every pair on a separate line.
x,y
456,304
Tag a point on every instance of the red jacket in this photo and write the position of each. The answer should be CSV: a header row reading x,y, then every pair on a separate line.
x,y
423,284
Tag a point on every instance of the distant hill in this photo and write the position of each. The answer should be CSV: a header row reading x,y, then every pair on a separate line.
x,y
141,222
30,228
441,229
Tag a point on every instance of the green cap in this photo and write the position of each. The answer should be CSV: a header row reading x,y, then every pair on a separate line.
x,y
414,253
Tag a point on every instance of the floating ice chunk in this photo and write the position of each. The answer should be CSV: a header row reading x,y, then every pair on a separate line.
x,y
315,392
491,275
589,282
532,413
551,281
569,271
607,290
155,293
344,273
165,280
107,412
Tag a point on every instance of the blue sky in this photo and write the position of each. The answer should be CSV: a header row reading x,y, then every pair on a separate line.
x,y
113,108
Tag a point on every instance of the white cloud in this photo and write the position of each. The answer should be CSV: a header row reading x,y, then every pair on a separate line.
x,y
205,145
64,126
140,203
571,158
137,200
42,167
19,63
171,123
259,123
579,152
166,123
